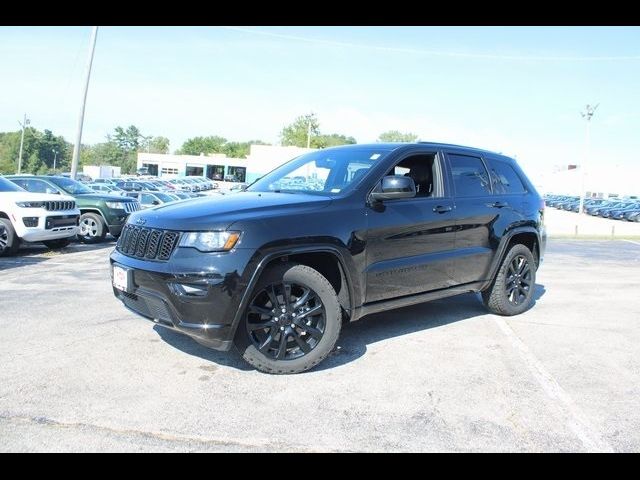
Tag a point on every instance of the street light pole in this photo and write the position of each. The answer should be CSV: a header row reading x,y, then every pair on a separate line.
x,y
25,122
587,114
76,147
55,156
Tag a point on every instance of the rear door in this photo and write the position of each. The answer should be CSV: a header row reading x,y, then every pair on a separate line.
x,y
476,214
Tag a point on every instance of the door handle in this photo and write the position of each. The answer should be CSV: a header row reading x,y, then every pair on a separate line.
x,y
498,204
442,209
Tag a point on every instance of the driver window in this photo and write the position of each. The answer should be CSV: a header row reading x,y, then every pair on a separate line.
x,y
422,169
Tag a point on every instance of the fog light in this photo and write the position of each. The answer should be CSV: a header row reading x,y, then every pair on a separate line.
x,y
30,221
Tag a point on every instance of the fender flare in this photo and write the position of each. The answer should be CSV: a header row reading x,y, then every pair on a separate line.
x,y
501,251
285,252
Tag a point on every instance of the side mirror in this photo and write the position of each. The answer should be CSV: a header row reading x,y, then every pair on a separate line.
x,y
52,191
156,202
394,186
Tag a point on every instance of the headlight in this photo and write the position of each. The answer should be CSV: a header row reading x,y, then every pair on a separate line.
x,y
115,205
30,204
210,241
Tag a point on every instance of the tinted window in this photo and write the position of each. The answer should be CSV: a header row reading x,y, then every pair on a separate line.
x,y
504,178
470,178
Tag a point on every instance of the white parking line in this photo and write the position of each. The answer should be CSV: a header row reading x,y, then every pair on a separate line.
x,y
577,421
631,241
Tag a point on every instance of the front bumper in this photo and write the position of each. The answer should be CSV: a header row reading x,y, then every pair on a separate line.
x,y
194,293
47,225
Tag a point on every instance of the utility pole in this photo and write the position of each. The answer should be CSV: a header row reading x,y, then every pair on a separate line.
x,y
587,114
55,156
25,122
76,148
309,133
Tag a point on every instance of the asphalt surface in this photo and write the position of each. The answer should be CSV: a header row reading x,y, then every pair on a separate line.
x,y
81,373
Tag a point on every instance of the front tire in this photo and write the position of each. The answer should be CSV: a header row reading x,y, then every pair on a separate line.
x,y
92,228
512,290
292,322
9,241
58,243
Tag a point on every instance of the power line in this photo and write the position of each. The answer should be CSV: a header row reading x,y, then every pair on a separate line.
x,y
433,53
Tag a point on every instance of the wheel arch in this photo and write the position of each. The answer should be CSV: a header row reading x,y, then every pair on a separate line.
x,y
325,259
84,210
527,236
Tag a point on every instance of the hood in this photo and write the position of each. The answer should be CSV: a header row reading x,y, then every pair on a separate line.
x,y
219,212
35,197
105,197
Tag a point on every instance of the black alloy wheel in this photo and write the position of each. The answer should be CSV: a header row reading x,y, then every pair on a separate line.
x,y
286,321
511,292
518,282
292,321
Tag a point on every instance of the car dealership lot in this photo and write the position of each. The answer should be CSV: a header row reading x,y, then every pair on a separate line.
x,y
81,373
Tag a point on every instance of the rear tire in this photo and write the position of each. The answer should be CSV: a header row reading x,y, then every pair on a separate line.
x,y
9,241
301,336
92,228
58,243
512,290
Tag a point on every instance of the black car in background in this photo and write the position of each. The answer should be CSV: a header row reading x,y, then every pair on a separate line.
x,y
335,234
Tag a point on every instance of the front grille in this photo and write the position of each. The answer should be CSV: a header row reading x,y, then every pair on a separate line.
x,y
131,207
148,243
60,205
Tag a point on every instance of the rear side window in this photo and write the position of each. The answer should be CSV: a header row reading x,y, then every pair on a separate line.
x,y
504,178
470,177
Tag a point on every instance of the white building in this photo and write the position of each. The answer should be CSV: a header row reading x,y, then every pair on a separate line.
x,y
599,181
216,166
101,171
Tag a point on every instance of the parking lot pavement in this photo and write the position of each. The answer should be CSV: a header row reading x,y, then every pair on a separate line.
x,y
81,373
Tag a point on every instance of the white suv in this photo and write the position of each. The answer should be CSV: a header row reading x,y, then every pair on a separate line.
x,y
35,217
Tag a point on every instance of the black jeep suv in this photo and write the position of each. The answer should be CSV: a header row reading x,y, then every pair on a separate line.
x,y
334,234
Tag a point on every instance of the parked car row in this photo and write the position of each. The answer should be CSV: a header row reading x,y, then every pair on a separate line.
x,y
35,217
56,209
618,209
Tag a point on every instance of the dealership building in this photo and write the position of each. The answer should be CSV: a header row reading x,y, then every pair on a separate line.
x,y
216,166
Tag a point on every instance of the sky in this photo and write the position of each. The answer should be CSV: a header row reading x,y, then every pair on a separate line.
x,y
515,90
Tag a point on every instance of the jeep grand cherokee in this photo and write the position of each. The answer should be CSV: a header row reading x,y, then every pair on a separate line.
x,y
334,234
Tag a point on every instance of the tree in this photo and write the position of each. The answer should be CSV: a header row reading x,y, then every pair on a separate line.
x,y
128,140
296,133
156,144
38,153
332,140
396,136
198,145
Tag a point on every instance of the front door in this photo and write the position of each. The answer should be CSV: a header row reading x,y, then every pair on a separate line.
x,y
410,241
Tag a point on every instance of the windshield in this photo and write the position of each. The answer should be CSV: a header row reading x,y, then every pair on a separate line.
x,y
71,186
324,172
7,186
164,197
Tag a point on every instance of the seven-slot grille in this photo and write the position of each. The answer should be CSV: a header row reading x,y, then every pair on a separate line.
x,y
59,205
130,207
147,243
